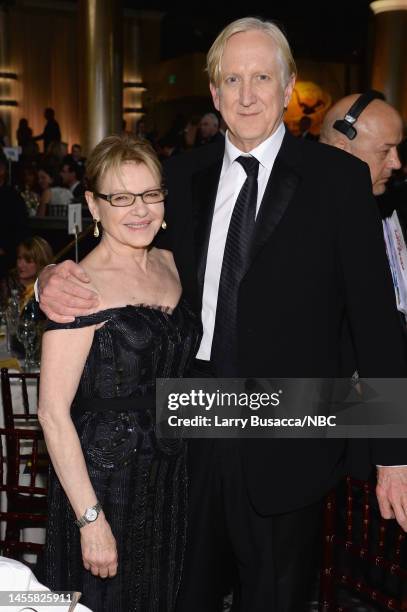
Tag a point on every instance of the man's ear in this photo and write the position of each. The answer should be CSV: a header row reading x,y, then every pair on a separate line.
x,y
288,91
215,95
344,144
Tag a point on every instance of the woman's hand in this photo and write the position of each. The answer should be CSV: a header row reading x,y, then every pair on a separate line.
x,y
99,552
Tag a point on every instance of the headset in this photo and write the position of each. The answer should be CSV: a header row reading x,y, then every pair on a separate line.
x,y
345,125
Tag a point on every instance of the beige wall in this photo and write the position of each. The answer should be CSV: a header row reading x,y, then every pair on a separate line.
x,y
44,53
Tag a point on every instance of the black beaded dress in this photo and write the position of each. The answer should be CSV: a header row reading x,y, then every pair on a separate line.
x,y
140,480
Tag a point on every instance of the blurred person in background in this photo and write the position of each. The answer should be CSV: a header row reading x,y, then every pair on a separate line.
x,y
209,130
189,134
304,126
33,254
51,132
4,139
52,194
29,189
75,156
71,175
24,134
14,220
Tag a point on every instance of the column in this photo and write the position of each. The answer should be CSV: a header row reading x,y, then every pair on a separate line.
x,y
6,76
133,85
389,66
101,65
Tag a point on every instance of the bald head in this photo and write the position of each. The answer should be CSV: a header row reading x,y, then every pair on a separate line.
x,y
379,130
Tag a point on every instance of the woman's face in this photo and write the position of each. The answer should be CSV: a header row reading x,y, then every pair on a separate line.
x,y
44,180
132,226
26,266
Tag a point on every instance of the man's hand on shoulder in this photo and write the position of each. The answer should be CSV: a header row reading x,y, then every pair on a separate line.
x,y
391,491
63,293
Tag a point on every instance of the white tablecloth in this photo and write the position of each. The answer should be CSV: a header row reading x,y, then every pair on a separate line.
x,y
15,576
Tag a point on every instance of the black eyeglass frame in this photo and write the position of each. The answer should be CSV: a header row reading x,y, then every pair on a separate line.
x,y
108,197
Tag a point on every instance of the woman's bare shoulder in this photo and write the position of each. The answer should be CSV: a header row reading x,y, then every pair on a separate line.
x,y
164,255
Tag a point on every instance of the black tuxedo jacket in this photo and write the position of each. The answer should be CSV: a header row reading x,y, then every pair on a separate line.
x,y
318,267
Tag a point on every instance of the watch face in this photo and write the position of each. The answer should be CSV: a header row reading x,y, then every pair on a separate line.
x,y
91,514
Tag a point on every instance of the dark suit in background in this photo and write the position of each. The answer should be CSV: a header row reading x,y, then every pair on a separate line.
x,y
13,227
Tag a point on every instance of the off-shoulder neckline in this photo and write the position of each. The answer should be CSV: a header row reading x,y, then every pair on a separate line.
x,y
168,310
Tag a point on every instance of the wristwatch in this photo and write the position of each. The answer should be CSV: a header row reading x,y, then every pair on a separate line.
x,y
90,515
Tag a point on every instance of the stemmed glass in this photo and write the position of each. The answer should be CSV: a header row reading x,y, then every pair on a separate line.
x,y
27,333
2,323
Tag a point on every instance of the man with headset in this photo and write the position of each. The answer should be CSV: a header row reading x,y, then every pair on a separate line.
x,y
371,129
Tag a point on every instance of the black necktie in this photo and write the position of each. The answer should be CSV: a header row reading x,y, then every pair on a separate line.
x,y
234,266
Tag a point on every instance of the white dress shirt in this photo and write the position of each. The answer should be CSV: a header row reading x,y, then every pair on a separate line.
x,y
231,181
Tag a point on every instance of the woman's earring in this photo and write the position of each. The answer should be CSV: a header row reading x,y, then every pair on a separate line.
x,y
164,225
96,228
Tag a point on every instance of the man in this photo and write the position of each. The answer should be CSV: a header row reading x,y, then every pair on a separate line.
x,y
376,131
14,220
379,130
75,156
209,130
51,132
258,501
71,175
304,126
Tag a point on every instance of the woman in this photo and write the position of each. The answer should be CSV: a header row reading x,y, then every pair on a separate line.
x,y
33,255
24,134
29,189
51,193
126,488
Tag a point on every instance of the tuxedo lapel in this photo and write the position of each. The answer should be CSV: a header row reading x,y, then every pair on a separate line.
x,y
204,190
281,186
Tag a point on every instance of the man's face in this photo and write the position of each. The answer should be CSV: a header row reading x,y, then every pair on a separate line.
x,y
207,127
76,153
250,95
376,144
68,177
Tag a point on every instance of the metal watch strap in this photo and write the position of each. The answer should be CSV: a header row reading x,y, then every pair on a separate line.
x,y
82,521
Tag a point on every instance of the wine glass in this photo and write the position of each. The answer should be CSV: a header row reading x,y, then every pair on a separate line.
x,y
27,333
2,323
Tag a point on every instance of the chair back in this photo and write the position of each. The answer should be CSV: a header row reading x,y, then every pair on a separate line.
x,y
23,488
365,556
20,391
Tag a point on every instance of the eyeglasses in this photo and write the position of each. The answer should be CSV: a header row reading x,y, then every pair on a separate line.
x,y
151,196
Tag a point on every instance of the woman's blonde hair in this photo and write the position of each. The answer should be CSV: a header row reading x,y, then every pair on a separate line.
x,y
246,24
113,151
38,250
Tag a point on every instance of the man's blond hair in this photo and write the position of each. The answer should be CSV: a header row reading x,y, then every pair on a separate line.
x,y
246,24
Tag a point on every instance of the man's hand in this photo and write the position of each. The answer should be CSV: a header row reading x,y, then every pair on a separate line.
x,y
391,491
62,296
